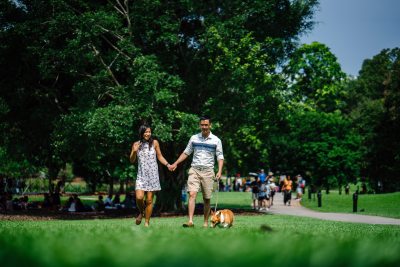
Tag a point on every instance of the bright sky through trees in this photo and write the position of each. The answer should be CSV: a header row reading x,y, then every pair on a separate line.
x,y
356,29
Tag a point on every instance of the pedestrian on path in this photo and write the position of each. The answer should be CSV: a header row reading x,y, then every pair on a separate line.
x,y
255,190
287,190
273,188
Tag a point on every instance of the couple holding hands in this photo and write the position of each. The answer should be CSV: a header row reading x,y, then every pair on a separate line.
x,y
205,147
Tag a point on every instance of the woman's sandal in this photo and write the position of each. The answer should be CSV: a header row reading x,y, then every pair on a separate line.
x,y
139,218
188,225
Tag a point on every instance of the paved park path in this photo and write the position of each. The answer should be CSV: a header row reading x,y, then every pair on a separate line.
x,y
297,210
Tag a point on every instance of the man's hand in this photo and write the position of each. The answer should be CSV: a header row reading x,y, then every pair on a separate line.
x,y
218,175
172,167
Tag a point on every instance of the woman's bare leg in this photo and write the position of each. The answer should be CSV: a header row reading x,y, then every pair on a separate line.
x,y
140,205
149,207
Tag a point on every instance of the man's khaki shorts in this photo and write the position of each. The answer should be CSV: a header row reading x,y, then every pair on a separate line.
x,y
201,178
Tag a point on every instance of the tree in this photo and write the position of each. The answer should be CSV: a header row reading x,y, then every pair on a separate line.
x,y
315,77
373,105
314,137
35,101
319,145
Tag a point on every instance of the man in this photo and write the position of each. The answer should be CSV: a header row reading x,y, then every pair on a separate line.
x,y
262,176
255,190
205,147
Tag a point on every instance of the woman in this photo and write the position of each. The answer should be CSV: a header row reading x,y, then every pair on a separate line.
x,y
287,190
147,150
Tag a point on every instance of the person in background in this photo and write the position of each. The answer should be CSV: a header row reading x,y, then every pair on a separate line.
x,y
273,188
262,176
70,206
79,207
255,190
281,179
129,202
117,201
47,203
300,186
287,190
263,197
99,204
108,201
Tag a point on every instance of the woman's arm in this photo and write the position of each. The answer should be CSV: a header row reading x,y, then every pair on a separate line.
x,y
160,157
135,148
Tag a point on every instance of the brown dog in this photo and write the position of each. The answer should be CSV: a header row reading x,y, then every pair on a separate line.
x,y
222,218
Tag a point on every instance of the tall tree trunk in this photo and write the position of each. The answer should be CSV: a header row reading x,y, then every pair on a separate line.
x,y
126,185
121,186
110,183
52,173
93,186
169,198
111,186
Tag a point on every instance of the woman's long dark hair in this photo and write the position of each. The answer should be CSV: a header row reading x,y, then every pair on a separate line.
x,y
143,129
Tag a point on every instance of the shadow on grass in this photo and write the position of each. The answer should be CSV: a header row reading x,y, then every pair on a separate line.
x,y
42,215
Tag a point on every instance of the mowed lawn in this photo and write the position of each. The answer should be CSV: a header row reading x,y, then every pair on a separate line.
x,y
293,241
386,205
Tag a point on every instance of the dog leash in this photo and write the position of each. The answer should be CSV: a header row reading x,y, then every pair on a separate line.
x,y
216,201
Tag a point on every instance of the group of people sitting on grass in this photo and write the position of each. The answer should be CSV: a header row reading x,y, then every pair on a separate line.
x,y
114,203
7,202
73,204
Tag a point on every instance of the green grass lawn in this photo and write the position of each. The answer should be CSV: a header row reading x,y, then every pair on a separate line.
x,y
386,205
293,241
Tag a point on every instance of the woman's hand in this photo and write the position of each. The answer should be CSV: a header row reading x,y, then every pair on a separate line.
x,y
136,146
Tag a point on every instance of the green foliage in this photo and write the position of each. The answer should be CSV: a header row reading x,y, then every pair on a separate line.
x,y
244,74
319,145
315,77
14,167
373,105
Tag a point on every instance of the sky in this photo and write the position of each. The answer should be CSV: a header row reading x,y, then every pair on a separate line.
x,y
355,30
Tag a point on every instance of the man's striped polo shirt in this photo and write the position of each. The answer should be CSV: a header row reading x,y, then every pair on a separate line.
x,y
204,150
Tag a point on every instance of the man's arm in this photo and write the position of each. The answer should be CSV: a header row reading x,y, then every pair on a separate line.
x,y
181,158
220,158
188,150
220,166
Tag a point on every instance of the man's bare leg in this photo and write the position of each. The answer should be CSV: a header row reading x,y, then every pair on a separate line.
x,y
206,211
191,205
